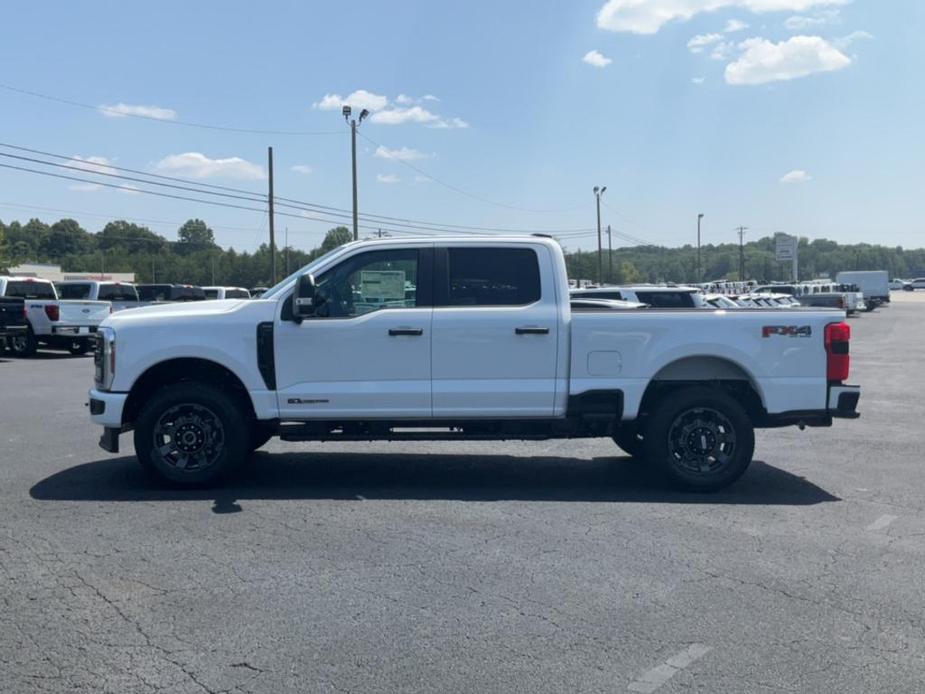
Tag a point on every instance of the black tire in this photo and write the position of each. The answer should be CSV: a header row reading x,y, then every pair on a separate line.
x,y
701,439
261,432
631,441
23,345
192,434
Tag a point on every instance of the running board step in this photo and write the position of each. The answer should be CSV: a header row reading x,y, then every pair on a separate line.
x,y
298,433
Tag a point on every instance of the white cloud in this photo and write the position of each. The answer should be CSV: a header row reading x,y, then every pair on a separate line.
x,y
701,41
722,50
198,165
800,22
796,176
844,42
359,99
403,99
388,178
764,61
734,25
302,169
430,97
401,154
648,16
121,110
597,59
697,80
416,114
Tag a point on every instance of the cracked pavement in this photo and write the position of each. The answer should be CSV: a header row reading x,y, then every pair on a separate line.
x,y
486,567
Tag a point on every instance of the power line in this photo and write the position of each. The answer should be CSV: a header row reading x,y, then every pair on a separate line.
x,y
188,124
249,196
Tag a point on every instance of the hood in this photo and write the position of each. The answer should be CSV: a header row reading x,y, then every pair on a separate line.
x,y
192,311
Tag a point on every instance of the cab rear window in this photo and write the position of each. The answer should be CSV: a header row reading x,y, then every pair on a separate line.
x,y
117,292
667,299
73,291
30,290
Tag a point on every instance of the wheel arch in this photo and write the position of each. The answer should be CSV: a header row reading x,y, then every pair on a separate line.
x,y
184,369
706,370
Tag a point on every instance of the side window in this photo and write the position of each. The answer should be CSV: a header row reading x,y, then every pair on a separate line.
x,y
666,299
608,295
368,282
493,277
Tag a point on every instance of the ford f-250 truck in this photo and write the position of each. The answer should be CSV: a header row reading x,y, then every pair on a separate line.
x,y
51,322
467,339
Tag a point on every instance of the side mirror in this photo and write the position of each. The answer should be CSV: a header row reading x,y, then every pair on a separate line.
x,y
303,299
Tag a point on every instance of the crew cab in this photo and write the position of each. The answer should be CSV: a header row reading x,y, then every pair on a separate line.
x,y
459,339
50,322
166,293
912,285
121,295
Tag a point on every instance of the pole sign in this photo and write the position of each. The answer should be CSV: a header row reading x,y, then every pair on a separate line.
x,y
785,248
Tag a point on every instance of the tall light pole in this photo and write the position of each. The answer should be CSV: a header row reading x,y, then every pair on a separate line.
x,y
354,123
741,231
598,192
699,266
609,255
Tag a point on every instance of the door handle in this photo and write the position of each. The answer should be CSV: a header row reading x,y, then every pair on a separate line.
x,y
414,332
531,331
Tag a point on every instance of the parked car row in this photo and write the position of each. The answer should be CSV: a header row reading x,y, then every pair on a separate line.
x,y
38,313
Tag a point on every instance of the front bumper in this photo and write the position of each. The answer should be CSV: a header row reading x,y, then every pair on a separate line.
x,y
106,408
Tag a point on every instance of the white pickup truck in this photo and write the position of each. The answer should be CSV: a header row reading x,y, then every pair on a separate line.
x,y
459,339
121,295
53,323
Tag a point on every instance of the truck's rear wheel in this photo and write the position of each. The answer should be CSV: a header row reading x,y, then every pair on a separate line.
x,y
701,438
191,434
23,345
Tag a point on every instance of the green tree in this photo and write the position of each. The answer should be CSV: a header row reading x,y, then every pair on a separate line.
x,y
335,237
64,237
196,232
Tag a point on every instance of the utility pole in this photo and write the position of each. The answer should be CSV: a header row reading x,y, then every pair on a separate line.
x,y
741,231
354,124
609,256
153,273
699,266
272,230
287,251
598,192
213,270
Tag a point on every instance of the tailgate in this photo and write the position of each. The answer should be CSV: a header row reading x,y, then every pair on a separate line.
x,y
83,312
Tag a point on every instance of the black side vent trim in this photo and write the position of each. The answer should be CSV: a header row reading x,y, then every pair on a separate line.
x,y
266,361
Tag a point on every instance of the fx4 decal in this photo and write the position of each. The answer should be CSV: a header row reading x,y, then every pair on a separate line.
x,y
787,330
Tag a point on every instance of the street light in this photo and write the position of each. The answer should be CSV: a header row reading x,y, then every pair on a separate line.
x,y
353,145
598,192
699,266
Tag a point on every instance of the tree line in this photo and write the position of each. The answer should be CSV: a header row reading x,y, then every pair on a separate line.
x,y
195,258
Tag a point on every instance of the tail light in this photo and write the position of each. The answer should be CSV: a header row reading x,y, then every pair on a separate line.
x,y
53,312
838,360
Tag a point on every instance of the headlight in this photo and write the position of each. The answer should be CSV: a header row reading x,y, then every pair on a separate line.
x,y
104,358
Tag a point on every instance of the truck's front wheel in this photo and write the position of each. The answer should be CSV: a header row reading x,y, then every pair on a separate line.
x,y
701,438
191,434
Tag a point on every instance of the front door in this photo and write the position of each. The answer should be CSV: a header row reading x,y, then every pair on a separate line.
x,y
366,352
496,323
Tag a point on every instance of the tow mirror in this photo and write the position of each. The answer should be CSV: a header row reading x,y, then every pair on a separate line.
x,y
303,299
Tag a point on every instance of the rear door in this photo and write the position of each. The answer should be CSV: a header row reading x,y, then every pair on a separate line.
x,y
495,331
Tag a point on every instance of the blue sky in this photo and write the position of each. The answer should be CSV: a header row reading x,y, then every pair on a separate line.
x,y
807,120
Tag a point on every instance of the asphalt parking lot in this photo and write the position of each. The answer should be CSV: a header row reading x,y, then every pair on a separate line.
x,y
558,566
